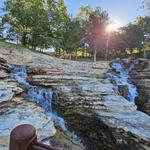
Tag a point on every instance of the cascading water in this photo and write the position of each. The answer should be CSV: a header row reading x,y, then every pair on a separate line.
x,y
42,96
121,77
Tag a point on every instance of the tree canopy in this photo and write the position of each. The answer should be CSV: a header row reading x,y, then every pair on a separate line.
x,y
40,24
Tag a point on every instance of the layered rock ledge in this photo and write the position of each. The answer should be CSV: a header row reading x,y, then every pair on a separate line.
x,y
89,103
102,118
15,110
141,77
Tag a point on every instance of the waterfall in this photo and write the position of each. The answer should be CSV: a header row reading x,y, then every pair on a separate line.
x,y
42,96
20,73
121,77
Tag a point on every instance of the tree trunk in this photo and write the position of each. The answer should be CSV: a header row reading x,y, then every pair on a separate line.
x,y
59,52
107,47
145,54
70,56
76,54
17,39
83,53
86,53
95,53
24,39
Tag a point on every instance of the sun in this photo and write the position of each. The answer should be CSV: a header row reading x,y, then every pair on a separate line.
x,y
112,27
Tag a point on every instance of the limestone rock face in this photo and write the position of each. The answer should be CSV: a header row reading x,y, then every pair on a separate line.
x,y
141,77
92,107
3,74
48,80
15,110
8,86
111,122
20,111
8,90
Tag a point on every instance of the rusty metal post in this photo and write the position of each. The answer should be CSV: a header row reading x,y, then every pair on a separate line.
x,y
24,137
21,137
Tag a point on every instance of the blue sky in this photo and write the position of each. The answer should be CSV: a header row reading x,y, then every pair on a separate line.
x,y
121,11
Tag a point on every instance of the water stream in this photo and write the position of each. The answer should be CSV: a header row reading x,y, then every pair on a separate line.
x,y
121,78
41,96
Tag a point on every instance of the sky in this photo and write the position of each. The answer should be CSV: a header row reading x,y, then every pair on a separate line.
x,y
121,11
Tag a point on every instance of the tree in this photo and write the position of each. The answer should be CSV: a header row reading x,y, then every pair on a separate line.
x,y
94,23
17,17
96,36
133,36
58,22
83,19
39,23
146,4
84,14
144,24
73,38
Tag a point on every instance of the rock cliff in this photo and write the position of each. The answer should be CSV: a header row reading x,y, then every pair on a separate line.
x,y
141,77
90,104
100,116
15,110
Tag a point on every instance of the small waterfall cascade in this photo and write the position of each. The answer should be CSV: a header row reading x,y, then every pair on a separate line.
x,y
121,78
42,96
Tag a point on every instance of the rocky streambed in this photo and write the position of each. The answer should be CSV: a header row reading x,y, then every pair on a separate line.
x,y
23,103
91,105
96,111
141,77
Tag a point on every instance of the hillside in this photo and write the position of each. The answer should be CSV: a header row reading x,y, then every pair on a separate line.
x,y
78,91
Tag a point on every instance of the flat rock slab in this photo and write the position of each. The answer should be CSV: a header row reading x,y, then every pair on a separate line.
x,y
8,90
126,117
102,100
20,111
3,74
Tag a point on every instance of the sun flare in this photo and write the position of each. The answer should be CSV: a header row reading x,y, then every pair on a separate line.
x,y
112,27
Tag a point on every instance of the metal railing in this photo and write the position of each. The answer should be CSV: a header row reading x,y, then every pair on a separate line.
x,y
24,137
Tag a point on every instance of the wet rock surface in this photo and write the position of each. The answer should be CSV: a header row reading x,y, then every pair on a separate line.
x,y
100,116
141,77
105,121
15,110
90,104
20,111
61,139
